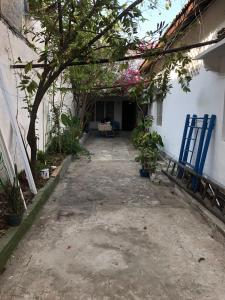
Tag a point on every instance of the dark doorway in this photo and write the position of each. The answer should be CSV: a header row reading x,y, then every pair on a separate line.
x,y
128,115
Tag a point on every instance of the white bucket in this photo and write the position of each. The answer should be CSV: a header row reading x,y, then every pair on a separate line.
x,y
45,173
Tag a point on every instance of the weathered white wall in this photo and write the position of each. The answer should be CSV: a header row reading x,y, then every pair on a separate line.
x,y
12,47
13,11
207,96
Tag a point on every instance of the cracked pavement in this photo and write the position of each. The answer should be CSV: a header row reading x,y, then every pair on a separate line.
x,y
105,233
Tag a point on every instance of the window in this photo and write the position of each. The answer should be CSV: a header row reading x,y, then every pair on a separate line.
x,y
159,112
109,111
99,111
102,110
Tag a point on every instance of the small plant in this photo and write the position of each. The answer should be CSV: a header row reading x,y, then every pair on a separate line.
x,y
155,140
69,138
141,132
71,134
14,200
148,158
41,161
42,156
148,143
72,124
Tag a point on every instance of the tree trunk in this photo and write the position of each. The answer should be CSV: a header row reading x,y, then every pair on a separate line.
x,y
48,77
31,135
83,112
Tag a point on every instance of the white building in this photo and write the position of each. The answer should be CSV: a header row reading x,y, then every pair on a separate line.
x,y
199,21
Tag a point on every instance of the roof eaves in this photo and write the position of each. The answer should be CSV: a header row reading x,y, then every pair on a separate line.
x,y
184,19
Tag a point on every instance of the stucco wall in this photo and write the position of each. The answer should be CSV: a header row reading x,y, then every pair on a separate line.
x,y
11,48
206,96
12,10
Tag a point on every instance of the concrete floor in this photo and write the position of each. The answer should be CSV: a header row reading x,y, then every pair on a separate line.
x,y
106,233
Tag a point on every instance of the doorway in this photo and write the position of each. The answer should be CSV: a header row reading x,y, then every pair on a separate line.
x,y
128,115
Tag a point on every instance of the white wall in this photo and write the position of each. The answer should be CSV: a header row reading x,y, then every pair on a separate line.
x,y
207,96
12,47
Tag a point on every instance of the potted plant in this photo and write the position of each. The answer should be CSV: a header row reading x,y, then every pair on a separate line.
x,y
148,158
155,140
141,134
153,161
14,201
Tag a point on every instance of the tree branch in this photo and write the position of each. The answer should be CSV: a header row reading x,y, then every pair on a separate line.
x,y
147,54
89,15
60,22
110,26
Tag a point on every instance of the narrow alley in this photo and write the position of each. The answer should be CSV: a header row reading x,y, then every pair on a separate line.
x,y
107,233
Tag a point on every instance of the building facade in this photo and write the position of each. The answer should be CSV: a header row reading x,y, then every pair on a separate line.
x,y
198,23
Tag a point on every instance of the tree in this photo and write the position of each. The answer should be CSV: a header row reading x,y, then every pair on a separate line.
x,y
72,31
85,82
68,32
157,83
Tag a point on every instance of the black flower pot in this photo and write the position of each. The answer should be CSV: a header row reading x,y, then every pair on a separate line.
x,y
14,220
144,173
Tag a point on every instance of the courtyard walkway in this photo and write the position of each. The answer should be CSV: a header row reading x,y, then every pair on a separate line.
x,y
106,233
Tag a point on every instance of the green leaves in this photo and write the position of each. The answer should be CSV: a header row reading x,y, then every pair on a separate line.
x,y
28,84
66,120
168,4
70,121
31,87
28,67
148,143
13,196
148,158
70,137
160,83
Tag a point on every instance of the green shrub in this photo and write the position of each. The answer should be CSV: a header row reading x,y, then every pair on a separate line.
x,y
41,156
67,142
148,144
13,196
148,158
140,133
68,145
53,146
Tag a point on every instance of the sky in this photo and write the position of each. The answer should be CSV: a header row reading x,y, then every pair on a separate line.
x,y
160,14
